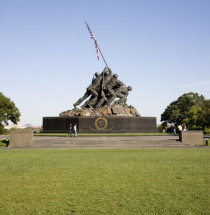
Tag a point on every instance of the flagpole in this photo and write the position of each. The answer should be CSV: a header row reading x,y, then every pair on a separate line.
x,y
97,43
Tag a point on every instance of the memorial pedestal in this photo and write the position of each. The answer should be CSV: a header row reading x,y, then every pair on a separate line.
x,y
108,124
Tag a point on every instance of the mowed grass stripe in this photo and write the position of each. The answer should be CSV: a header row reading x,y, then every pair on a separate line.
x,y
143,181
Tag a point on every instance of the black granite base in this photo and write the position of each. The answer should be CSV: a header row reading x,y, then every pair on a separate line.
x,y
100,124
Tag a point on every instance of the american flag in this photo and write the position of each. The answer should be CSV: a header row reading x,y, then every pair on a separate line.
x,y
96,45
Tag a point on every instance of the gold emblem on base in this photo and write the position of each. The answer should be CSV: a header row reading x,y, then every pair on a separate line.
x,y
101,123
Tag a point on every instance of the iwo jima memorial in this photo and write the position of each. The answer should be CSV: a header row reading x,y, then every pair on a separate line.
x,y
104,108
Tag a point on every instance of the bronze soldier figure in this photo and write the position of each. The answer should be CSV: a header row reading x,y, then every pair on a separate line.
x,y
105,88
122,93
113,84
107,73
91,90
90,103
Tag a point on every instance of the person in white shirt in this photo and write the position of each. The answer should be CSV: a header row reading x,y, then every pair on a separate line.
x,y
75,130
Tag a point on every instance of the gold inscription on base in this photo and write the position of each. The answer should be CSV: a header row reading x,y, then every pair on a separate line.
x,y
101,123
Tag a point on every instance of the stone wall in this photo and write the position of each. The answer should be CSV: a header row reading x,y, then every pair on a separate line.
x,y
18,138
192,137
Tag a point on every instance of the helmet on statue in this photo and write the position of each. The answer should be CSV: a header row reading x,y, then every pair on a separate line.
x,y
97,74
129,88
115,76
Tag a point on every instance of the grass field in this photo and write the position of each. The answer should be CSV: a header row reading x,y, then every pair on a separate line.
x,y
141,181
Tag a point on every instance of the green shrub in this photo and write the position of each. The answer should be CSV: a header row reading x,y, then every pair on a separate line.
x,y
160,128
207,131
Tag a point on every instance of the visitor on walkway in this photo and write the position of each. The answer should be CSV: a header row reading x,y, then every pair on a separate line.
x,y
70,130
75,130
180,131
174,129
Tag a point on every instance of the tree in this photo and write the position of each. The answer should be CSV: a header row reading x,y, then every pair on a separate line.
x,y
191,109
193,118
8,112
205,115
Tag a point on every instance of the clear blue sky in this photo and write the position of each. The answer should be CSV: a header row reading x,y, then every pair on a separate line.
x,y
47,58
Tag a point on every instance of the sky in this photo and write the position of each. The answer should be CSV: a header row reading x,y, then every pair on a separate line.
x,y
47,58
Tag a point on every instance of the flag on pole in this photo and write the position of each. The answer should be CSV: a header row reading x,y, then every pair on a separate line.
x,y
98,50
96,44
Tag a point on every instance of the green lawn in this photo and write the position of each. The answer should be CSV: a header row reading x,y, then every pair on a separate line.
x,y
96,181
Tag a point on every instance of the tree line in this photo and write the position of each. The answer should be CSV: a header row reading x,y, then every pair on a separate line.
x,y
191,109
8,112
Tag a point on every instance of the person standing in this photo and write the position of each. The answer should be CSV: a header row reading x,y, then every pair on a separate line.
x,y
75,130
180,131
184,128
70,130
174,129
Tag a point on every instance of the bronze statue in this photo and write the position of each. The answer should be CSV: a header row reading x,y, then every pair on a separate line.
x,y
122,93
104,89
99,98
113,84
91,90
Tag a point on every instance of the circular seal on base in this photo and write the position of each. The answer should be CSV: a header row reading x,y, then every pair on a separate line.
x,y
101,123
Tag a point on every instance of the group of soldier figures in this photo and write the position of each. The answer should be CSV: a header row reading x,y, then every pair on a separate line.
x,y
104,89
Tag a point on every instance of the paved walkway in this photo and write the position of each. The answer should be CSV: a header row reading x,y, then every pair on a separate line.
x,y
107,142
